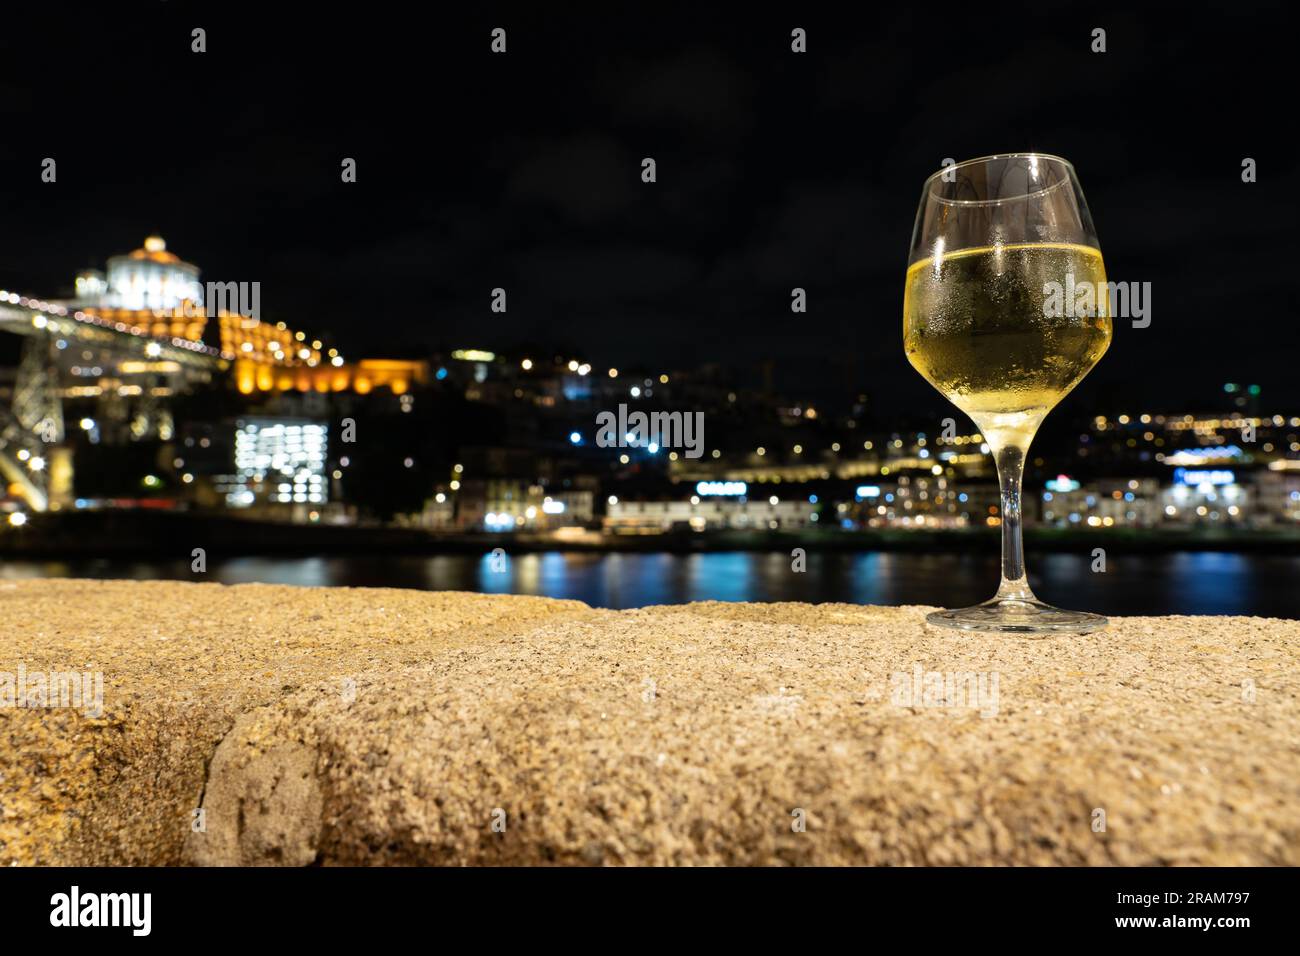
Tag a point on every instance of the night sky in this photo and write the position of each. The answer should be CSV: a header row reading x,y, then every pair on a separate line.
x,y
774,170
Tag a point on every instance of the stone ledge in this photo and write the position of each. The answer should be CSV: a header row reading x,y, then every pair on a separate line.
x,y
360,726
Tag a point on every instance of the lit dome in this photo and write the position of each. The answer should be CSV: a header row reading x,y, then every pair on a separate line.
x,y
151,278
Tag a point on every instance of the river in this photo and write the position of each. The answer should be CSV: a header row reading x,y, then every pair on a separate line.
x,y
1174,583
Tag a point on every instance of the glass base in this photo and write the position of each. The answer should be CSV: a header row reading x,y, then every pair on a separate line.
x,y
1018,616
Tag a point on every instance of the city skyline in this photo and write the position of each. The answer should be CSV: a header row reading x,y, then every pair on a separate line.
x,y
522,171
1208,395
124,359
383,290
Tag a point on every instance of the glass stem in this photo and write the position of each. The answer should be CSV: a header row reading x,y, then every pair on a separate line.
x,y
1011,465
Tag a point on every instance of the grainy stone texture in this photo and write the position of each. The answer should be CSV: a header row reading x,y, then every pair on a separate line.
x,y
349,726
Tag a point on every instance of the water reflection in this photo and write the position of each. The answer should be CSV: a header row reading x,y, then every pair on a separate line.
x,y
1179,583
725,577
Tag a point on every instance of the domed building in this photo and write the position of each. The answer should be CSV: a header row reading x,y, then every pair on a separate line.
x,y
152,292
150,278
149,289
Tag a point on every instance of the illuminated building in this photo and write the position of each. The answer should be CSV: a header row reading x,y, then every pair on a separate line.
x,y
396,375
152,293
1276,497
656,517
1105,503
180,323
921,501
278,462
253,342
148,278
511,505
964,456
439,514
1205,496
149,292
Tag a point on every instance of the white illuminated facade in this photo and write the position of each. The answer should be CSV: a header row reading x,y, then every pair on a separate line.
x,y
279,462
148,278
91,287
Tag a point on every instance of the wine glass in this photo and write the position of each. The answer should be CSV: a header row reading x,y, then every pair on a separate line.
x,y
1006,309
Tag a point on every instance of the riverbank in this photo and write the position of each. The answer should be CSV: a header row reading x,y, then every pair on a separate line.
x,y
344,726
141,532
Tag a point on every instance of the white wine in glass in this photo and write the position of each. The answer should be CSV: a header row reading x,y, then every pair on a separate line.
x,y
1005,310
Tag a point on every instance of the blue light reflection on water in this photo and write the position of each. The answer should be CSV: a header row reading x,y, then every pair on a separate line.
x,y
1176,583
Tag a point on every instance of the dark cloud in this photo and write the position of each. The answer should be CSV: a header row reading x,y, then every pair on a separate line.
x,y
697,90
587,177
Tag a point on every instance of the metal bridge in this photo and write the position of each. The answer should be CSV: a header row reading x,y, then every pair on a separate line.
x,y
129,373
130,363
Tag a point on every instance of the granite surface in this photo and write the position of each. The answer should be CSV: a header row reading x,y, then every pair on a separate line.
x,y
261,724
